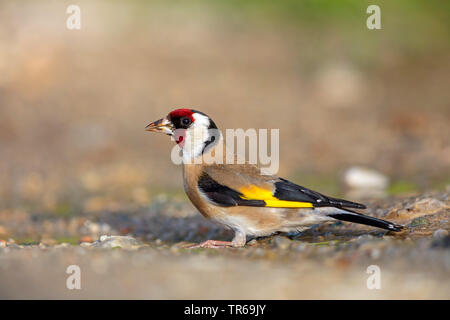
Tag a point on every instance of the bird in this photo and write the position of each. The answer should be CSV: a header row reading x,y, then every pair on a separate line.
x,y
239,196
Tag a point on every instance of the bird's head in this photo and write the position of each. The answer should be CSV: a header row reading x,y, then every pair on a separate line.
x,y
192,130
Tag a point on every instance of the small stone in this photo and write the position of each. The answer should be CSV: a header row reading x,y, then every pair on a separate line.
x,y
320,238
365,238
85,244
174,250
418,222
300,247
441,242
428,205
124,242
440,234
282,243
63,245
363,178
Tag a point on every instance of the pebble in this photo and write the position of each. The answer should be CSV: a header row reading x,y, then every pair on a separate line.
x,y
420,221
427,205
364,238
301,247
124,242
282,243
63,245
85,244
441,242
364,178
440,234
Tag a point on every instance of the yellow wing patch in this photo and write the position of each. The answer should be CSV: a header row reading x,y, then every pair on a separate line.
x,y
257,193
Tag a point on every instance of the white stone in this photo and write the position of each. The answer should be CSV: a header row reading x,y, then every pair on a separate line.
x,y
440,233
364,178
125,242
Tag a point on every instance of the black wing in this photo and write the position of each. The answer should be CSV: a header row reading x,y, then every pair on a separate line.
x,y
223,195
286,190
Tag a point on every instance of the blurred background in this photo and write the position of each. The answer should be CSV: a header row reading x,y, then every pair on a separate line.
x,y
74,103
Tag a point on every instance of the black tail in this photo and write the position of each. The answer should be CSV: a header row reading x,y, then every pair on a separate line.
x,y
370,221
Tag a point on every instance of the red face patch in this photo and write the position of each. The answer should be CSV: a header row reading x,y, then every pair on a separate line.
x,y
179,136
182,113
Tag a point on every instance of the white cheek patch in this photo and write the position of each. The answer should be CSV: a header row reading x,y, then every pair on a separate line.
x,y
195,138
200,121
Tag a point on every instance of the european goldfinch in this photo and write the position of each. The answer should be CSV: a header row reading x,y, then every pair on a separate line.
x,y
240,197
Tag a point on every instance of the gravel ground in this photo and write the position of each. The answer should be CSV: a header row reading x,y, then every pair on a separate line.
x,y
145,259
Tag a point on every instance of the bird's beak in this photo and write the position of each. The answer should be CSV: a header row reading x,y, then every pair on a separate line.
x,y
161,125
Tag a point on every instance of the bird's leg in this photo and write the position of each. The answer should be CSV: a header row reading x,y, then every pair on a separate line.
x,y
239,240
212,244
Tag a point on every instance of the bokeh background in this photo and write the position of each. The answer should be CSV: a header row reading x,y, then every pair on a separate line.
x,y
74,103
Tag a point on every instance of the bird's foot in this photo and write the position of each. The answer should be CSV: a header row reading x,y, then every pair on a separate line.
x,y
211,244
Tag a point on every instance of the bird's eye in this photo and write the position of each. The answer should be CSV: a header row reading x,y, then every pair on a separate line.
x,y
186,121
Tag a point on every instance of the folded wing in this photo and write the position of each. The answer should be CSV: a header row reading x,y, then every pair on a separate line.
x,y
243,185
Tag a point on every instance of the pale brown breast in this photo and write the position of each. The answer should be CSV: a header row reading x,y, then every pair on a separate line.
x,y
191,174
